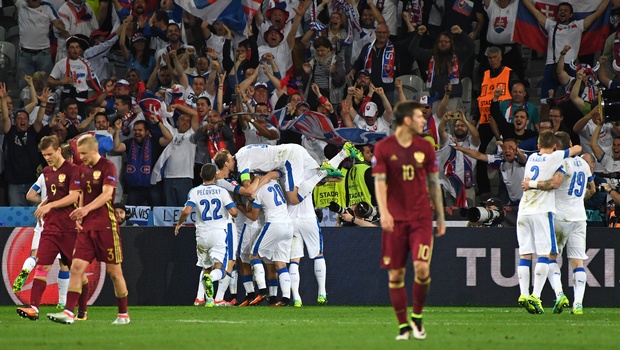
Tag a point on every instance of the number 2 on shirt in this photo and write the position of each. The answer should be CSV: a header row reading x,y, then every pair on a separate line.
x,y
535,170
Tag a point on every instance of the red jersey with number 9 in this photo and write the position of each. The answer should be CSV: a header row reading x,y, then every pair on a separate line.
x,y
58,183
406,170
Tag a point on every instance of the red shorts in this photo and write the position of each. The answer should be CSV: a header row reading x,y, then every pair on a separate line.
x,y
105,246
52,243
408,236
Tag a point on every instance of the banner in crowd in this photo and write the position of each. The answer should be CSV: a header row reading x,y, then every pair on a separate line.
x,y
139,215
529,33
229,12
169,216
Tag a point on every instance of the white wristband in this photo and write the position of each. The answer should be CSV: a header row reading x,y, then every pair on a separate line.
x,y
533,184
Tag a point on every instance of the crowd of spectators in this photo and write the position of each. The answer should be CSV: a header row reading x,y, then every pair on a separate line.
x,y
104,66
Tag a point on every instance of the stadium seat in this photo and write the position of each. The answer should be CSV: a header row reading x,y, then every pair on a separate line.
x,y
11,33
10,11
412,85
9,51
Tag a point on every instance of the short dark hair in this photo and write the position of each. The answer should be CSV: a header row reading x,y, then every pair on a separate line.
x,y
125,99
143,122
404,109
207,172
566,4
322,42
68,102
204,98
562,140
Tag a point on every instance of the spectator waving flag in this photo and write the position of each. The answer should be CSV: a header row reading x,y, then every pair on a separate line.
x,y
250,7
229,12
277,117
359,136
530,34
318,126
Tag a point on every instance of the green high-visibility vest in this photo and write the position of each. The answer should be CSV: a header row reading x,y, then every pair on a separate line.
x,y
330,192
356,183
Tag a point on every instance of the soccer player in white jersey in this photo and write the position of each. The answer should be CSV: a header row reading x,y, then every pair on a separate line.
x,y
225,163
573,182
38,193
535,232
294,163
274,241
213,207
306,230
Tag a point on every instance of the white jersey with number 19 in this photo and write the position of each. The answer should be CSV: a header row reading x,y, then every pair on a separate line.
x,y
569,196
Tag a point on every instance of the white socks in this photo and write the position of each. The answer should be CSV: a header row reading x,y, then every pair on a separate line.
x,y
541,271
320,271
579,284
523,272
293,270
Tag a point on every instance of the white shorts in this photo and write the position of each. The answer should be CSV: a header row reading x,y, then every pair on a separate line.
x,y
248,237
309,231
572,235
274,242
211,247
535,234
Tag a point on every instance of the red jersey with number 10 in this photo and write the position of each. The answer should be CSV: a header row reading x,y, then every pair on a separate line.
x,y
406,170
92,180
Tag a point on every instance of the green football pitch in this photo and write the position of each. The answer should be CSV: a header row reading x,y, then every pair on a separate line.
x,y
330,327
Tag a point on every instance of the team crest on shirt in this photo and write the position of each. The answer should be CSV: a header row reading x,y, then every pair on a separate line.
x,y
419,157
96,174
386,260
61,178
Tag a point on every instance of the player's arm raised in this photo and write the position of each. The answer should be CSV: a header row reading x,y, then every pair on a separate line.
x,y
434,189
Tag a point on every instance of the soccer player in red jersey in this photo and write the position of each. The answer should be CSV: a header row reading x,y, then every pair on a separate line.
x,y
99,235
59,234
405,163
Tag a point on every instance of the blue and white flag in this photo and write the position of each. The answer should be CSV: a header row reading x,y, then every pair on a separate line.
x,y
229,12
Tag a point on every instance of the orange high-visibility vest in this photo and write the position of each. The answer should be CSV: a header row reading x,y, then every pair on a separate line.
x,y
487,90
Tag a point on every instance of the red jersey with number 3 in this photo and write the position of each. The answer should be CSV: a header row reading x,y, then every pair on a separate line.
x,y
92,180
406,170
58,184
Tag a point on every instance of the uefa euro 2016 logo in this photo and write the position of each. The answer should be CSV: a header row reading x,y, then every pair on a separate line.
x,y
17,249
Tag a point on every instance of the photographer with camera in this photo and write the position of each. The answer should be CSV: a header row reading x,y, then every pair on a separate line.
x,y
362,214
458,168
596,205
489,214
